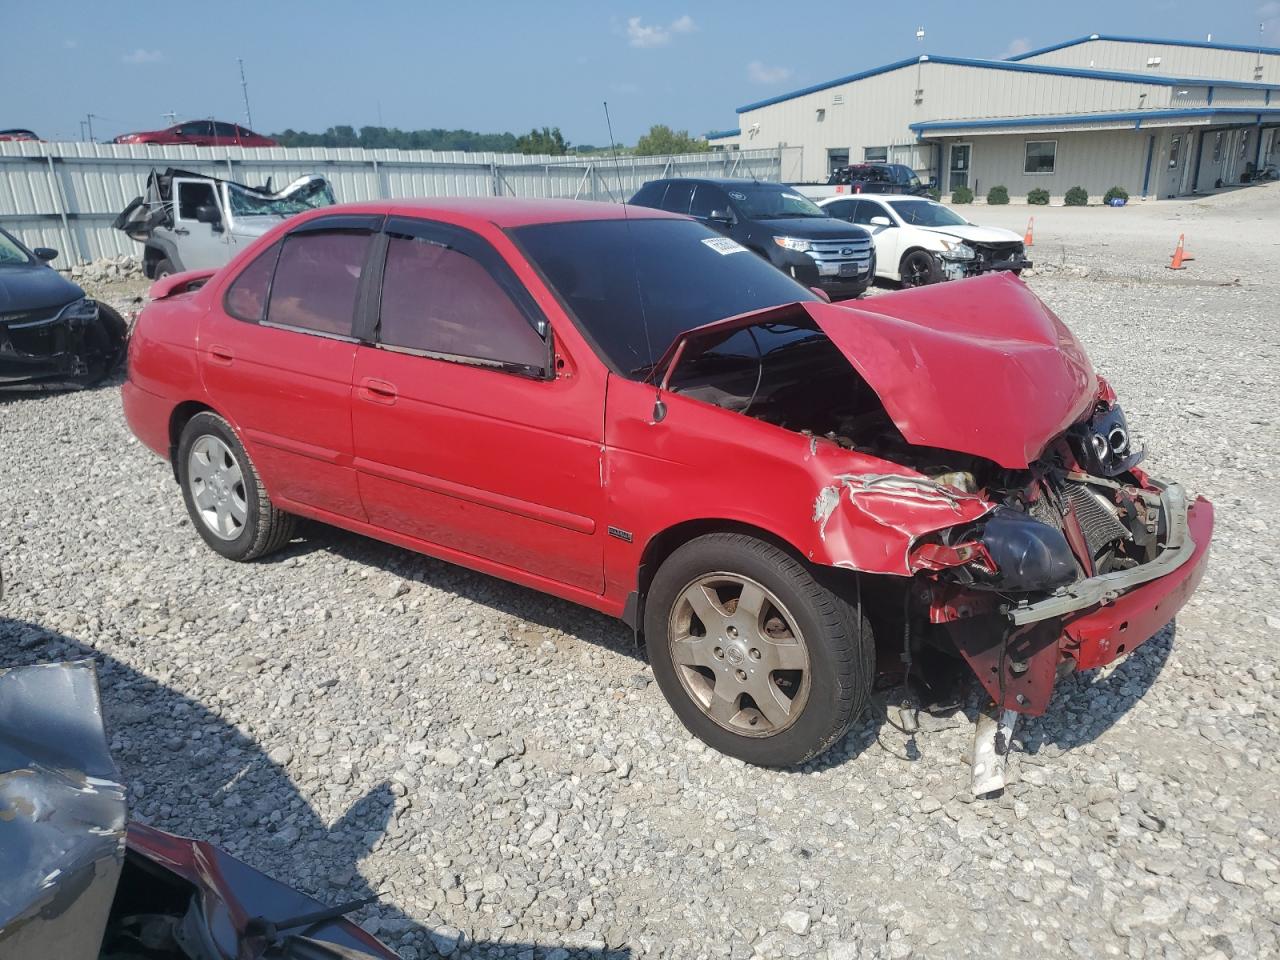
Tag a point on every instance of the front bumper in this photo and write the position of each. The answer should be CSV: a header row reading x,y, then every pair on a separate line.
x,y
1018,652
850,281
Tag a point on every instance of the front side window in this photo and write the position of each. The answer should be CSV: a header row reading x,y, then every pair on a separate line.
x,y
1041,156
225,130
438,300
196,128
707,200
247,296
866,210
192,196
10,252
316,280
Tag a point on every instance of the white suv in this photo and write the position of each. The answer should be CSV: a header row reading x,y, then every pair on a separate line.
x,y
920,241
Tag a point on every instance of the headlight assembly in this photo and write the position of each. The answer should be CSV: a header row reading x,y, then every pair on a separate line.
x,y
794,243
954,250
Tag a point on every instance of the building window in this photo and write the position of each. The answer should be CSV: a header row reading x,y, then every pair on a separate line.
x,y
837,159
1217,147
875,154
1041,156
1175,148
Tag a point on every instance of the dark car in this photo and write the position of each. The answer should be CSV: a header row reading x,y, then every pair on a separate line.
x,y
879,178
51,335
201,133
770,219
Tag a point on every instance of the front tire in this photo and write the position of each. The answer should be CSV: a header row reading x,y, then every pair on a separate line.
x,y
225,499
919,269
164,268
757,658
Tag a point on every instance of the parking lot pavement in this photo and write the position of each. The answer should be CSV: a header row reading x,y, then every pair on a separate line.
x,y
499,767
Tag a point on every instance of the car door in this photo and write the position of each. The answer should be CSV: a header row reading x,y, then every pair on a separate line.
x,y
888,240
469,438
276,355
201,246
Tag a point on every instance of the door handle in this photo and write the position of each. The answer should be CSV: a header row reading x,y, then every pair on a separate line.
x,y
377,391
181,231
220,354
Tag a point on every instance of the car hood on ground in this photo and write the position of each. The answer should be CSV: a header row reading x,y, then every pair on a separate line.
x,y
976,234
34,286
814,228
978,366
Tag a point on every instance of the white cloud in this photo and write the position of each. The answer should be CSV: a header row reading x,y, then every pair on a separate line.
x,y
758,72
1016,46
142,56
657,35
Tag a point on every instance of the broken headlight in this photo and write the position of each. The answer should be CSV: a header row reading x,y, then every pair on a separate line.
x,y
1028,555
1103,445
80,312
955,250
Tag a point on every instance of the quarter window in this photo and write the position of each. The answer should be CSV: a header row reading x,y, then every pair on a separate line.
x,y
1041,156
441,301
316,280
247,296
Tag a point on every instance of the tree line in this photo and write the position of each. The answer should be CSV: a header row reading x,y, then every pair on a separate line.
x,y
660,139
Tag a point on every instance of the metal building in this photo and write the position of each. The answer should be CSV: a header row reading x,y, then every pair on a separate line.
x,y
1157,117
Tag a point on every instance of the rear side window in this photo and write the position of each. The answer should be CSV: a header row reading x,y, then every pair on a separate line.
x,y
843,209
316,280
247,296
439,300
678,197
650,195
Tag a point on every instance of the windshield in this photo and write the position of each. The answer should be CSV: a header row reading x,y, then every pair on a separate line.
x,y
10,252
312,195
765,204
689,276
926,213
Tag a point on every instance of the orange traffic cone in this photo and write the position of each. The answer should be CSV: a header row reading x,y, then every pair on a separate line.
x,y
1180,254
1027,239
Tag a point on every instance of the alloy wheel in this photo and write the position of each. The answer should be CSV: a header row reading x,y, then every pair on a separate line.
x,y
739,654
217,487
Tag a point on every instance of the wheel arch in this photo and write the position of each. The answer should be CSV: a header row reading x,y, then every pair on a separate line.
x,y
178,419
665,542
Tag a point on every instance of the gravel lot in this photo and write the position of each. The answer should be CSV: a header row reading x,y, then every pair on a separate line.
x,y
499,768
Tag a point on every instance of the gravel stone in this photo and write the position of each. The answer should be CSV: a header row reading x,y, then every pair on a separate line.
x,y
325,715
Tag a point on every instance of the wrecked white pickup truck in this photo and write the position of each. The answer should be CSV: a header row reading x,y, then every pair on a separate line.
x,y
192,221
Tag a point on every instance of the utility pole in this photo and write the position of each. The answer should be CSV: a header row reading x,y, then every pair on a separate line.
x,y
171,117
89,118
919,98
244,89
81,131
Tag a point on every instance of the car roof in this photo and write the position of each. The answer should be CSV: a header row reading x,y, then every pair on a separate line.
x,y
726,182
504,211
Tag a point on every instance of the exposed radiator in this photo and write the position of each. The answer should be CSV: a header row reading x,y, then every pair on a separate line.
x,y
1097,519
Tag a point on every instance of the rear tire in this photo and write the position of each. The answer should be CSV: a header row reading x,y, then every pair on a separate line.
x,y
225,499
919,269
780,666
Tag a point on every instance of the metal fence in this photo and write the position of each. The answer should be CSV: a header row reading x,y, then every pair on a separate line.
x,y
65,195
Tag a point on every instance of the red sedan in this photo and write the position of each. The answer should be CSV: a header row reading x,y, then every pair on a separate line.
x,y
201,133
622,408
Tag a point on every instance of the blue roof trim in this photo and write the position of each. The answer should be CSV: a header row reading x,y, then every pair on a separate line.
x,y
1150,79
1137,116
1203,44
717,134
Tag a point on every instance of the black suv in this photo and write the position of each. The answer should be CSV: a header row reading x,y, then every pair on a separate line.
x,y
790,231
880,178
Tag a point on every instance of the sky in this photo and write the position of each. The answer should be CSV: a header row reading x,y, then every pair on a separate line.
x,y
508,66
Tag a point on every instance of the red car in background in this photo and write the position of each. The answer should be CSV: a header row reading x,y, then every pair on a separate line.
x,y
18,134
201,133
620,407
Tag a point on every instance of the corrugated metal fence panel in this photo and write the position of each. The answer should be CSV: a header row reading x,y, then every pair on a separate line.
x,y
66,195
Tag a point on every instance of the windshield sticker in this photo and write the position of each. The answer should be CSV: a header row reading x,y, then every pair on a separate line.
x,y
737,196
724,246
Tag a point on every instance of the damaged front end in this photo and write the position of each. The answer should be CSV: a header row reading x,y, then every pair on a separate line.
x,y
978,467
74,345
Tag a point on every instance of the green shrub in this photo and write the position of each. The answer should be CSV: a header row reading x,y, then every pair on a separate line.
x,y
962,195
1039,197
1077,197
1116,193
935,193
998,194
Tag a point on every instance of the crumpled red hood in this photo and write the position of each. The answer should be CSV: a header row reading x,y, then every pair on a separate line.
x,y
979,366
